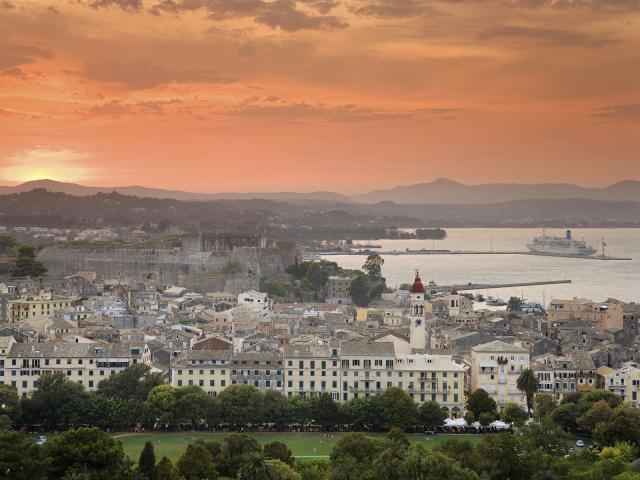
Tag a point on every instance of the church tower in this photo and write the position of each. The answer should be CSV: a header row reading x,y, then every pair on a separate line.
x,y
417,314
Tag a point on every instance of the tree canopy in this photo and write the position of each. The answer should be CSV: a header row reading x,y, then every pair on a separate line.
x,y
26,264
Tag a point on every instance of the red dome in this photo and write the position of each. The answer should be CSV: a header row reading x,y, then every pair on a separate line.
x,y
417,285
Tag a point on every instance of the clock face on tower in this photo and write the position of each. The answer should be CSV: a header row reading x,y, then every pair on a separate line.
x,y
418,322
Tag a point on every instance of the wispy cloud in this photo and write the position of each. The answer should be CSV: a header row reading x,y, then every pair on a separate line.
x,y
630,111
551,36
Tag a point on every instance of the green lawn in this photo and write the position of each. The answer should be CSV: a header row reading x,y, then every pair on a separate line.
x,y
302,444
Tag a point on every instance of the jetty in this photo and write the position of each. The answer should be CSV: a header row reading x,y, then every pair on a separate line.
x,y
491,286
466,252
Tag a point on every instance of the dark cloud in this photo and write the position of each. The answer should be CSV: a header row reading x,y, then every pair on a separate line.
x,y
302,111
392,8
630,111
14,72
118,109
123,4
216,9
321,6
13,56
283,14
552,36
141,75
619,5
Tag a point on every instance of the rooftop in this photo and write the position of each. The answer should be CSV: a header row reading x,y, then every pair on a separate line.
x,y
499,346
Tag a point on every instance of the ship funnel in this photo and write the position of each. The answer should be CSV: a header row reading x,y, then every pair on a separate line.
x,y
568,235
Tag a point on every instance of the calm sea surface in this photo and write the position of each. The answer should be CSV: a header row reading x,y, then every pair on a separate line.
x,y
593,279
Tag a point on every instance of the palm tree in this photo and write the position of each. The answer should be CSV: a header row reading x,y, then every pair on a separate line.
x,y
256,468
528,384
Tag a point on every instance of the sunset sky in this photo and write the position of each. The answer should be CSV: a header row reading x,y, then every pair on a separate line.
x,y
345,95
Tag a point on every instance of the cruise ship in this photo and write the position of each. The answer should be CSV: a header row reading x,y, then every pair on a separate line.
x,y
560,246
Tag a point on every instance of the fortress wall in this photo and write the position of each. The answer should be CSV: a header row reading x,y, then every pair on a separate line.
x,y
168,266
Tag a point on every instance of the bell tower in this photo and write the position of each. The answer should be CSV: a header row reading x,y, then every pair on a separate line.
x,y
417,314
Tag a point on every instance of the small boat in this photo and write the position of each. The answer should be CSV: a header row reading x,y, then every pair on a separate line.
x,y
496,302
532,307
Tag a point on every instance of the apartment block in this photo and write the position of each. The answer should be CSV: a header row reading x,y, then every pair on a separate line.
x,y
85,363
311,370
35,306
338,289
607,316
352,370
624,382
214,370
495,367
431,377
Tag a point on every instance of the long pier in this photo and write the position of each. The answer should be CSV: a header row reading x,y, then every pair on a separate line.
x,y
466,252
491,286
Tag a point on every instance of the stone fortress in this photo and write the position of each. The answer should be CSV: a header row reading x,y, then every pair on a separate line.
x,y
199,264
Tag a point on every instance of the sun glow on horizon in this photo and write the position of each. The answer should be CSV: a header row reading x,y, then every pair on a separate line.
x,y
45,162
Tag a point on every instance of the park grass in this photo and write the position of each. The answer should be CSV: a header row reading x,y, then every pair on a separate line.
x,y
303,445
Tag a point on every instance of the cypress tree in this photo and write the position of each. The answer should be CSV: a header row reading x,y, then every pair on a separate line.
x,y
166,471
147,462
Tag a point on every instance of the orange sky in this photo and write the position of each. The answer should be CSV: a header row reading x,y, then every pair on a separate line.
x,y
348,95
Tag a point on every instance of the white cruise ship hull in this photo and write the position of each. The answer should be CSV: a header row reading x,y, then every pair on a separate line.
x,y
560,250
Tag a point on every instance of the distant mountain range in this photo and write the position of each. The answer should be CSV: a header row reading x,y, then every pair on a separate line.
x,y
441,191
444,191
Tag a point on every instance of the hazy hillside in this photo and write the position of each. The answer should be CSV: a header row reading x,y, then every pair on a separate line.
x,y
443,191
438,192
139,191
311,219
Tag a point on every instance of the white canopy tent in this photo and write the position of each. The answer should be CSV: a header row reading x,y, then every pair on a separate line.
x,y
458,422
499,425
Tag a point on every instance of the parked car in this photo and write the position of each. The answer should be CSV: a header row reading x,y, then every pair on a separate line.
x,y
580,443
41,440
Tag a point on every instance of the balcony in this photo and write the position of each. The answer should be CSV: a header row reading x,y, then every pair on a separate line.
x,y
488,370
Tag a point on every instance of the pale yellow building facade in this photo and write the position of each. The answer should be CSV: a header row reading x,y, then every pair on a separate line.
x,y
85,363
495,367
29,307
